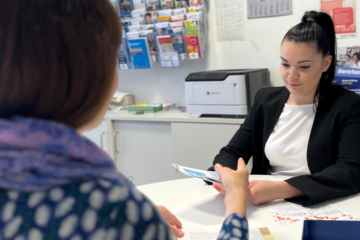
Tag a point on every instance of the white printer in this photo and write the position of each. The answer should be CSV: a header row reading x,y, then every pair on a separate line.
x,y
223,93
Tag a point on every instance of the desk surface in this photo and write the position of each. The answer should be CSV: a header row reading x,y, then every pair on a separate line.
x,y
196,203
168,116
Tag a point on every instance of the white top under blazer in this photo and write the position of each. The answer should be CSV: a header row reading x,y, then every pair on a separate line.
x,y
287,145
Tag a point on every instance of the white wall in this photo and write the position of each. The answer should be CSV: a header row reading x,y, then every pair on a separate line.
x,y
167,85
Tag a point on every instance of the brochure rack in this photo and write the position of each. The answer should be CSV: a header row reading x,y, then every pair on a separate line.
x,y
164,31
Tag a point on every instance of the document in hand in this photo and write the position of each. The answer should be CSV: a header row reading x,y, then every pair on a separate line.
x,y
210,176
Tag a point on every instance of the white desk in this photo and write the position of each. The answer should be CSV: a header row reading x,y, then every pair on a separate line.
x,y
196,203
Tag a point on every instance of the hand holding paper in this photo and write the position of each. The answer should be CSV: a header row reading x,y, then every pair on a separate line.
x,y
235,187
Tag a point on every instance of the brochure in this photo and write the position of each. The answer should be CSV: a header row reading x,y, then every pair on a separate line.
x,y
169,59
176,24
177,18
138,4
292,214
125,7
134,28
182,4
164,13
178,42
193,47
122,62
162,28
196,3
139,13
136,21
179,11
163,19
167,4
347,71
210,176
151,17
149,35
126,22
139,52
148,27
165,43
152,5
192,27
132,35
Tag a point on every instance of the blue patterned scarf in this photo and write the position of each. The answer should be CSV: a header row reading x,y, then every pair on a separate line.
x,y
39,155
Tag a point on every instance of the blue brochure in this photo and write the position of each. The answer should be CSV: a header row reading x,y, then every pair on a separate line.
x,y
177,41
139,53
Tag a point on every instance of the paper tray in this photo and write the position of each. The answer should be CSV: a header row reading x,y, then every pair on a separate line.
x,y
331,230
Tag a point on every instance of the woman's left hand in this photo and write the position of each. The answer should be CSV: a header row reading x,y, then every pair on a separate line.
x,y
267,191
261,192
174,223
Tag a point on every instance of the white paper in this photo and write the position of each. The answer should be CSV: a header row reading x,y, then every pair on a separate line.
x,y
230,20
291,214
268,8
210,176
210,232
169,59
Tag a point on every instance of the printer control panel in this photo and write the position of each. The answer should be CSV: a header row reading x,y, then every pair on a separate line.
x,y
206,76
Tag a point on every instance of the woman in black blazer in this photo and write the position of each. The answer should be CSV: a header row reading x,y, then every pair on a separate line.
x,y
333,147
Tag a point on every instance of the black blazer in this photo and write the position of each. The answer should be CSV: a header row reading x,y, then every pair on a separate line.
x,y
333,150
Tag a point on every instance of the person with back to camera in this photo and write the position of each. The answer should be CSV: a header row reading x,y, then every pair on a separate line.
x,y
356,58
309,129
57,77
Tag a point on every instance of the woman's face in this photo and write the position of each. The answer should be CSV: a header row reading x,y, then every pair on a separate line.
x,y
356,59
301,68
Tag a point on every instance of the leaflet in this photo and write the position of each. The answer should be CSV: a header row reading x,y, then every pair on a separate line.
x,y
182,4
292,214
152,5
210,176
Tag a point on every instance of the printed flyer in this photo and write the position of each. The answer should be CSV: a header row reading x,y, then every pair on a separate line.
x,y
292,214
348,68
210,176
343,13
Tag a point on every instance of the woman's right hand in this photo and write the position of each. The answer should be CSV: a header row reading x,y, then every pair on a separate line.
x,y
234,186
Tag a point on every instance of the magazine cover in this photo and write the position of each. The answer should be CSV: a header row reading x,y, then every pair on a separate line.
x,y
139,53
167,4
162,28
138,4
151,17
165,43
178,42
149,35
348,68
182,3
125,6
193,47
196,3
152,5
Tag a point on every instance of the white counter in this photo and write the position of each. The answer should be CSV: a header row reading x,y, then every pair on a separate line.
x,y
165,116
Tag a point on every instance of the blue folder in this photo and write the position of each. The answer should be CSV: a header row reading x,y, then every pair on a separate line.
x,y
331,230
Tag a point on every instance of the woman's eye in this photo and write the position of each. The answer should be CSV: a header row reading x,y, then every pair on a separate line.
x,y
285,65
304,67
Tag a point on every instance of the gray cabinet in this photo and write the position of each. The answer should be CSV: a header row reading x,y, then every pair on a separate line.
x,y
143,151
99,136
